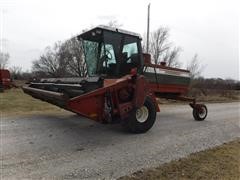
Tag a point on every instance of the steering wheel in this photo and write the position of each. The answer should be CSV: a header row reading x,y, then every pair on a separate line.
x,y
108,55
128,58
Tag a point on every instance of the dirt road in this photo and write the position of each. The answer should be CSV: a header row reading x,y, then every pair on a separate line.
x,y
70,147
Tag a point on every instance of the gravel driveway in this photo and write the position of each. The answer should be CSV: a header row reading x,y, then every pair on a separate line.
x,y
71,147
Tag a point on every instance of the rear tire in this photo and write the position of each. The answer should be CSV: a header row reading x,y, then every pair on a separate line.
x,y
142,119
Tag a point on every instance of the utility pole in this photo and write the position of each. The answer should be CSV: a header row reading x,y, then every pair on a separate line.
x,y
1,29
148,24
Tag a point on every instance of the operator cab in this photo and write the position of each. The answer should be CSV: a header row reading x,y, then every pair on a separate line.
x,y
111,52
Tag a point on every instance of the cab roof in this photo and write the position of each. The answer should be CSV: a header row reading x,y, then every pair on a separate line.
x,y
100,28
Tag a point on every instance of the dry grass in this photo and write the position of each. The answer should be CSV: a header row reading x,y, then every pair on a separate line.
x,y
209,95
15,102
222,162
215,95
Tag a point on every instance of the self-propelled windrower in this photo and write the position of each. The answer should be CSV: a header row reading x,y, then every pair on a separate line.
x,y
122,83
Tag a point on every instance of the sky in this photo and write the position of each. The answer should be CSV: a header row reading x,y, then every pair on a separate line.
x,y
209,28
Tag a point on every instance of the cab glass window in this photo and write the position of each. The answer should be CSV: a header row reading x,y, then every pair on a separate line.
x,y
130,49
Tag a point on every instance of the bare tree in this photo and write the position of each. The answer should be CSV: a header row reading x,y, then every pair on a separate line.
x,y
72,51
4,60
195,67
63,60
16,72
158,43
161,49
170,56
114,23
51,62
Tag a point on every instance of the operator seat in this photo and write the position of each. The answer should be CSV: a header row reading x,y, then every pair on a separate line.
x,y
127,63
123,63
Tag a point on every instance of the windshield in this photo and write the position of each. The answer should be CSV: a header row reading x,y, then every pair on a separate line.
x,y
91,56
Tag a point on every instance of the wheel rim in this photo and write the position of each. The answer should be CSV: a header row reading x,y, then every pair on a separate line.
x,y
202,113
142,114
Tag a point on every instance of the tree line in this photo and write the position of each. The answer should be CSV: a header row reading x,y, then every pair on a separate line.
x,y
215,83
65,59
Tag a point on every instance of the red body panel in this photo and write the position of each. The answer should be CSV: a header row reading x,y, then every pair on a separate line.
x,y
93,105
166,88
141,91
90,105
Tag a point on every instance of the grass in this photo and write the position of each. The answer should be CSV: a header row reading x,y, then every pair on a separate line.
x,y
15,102
222,162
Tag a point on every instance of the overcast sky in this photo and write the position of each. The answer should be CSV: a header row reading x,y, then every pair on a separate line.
x,y
209,28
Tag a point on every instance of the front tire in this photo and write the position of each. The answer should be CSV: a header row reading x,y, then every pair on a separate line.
x,y
142,119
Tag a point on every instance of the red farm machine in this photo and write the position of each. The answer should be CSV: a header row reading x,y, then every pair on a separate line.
x,y
5,80
122,83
